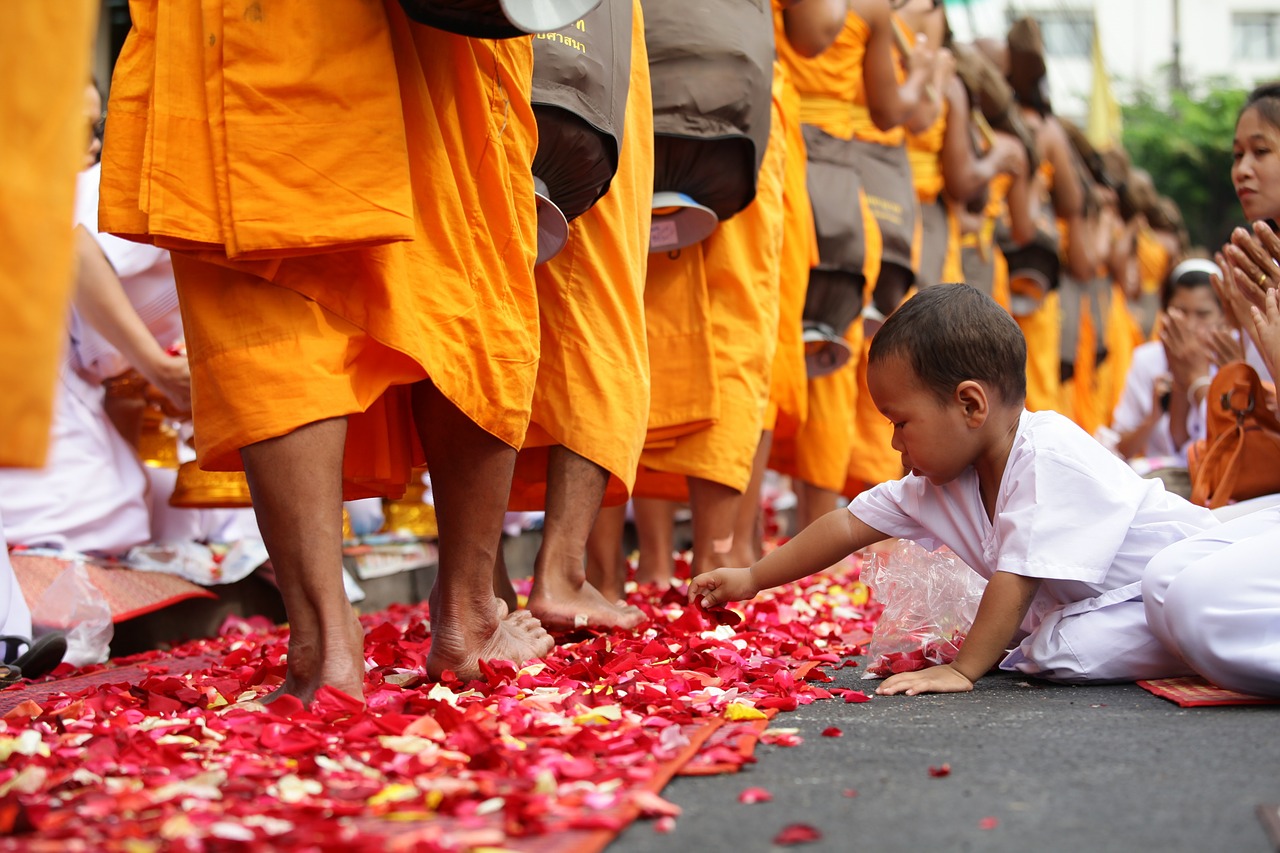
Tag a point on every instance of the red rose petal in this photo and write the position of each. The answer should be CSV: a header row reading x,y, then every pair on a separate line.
x,y
989,823
755,795
832,731
939,772
797,833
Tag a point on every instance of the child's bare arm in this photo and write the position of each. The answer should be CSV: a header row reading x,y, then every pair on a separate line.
x,y
828,540
1003,607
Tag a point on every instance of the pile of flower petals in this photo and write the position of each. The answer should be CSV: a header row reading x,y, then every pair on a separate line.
x,y
193,761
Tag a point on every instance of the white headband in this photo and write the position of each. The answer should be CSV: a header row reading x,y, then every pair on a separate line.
x,y
1203,265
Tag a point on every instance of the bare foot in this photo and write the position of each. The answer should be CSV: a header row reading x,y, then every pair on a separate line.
x,y
460,640
560,605
502,586
336,660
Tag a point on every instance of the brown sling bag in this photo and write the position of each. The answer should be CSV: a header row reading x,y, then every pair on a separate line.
x,y
1239,458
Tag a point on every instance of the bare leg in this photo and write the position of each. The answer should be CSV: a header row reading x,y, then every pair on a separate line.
x,y
655,528
813,503
606,564
715,507
502,586
471,479
748,533
561,596
296,483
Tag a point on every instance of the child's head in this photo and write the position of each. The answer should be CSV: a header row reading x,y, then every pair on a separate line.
x,y
1189,290
1255,169
948,369
952,333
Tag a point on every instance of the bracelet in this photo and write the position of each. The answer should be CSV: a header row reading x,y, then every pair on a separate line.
x,y
1195,386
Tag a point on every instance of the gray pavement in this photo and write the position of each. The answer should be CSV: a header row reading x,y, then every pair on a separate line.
x,y
1109,768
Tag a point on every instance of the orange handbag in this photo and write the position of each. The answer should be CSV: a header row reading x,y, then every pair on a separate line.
x,y
1239,458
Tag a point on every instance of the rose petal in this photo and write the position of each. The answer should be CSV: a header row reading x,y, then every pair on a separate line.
x,y
989,823
797,833
755,795
832,731
940,771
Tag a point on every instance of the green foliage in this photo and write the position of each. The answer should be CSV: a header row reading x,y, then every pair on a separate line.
x,y
1186,146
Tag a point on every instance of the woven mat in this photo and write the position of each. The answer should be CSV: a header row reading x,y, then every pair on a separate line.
x,y
129,593
1194,692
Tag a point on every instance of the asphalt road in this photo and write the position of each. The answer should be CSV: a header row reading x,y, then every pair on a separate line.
x,y
1033,767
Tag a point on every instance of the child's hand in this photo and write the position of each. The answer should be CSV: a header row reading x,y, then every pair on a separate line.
x,y
722,586
935,679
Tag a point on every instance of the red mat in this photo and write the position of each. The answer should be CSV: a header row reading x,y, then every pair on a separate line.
x,y
1194,692
129,593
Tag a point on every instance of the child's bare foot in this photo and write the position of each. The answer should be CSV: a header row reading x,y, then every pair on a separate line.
x,y
559,604
461,638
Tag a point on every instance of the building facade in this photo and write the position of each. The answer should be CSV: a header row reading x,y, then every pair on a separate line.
x,y
1147,45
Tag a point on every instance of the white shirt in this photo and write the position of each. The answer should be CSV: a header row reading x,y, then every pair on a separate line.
x,y
1068,511
1149,363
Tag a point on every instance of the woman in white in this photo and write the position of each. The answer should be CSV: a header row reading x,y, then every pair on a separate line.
x,y
1214,599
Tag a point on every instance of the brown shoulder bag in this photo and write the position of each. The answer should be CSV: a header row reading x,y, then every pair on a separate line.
x,y
1239,458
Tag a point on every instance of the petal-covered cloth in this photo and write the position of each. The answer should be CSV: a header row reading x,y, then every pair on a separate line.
x,y
353,197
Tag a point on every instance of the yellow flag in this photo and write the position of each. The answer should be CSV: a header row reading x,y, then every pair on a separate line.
x,y
1104,125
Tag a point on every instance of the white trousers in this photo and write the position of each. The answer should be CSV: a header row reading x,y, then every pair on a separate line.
x,y
1101,641
1214,599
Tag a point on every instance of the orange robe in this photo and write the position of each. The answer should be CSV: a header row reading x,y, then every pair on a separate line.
x,y
788,380
740,265
1154,266
834,100
344,234
1043,331
592,394
44,50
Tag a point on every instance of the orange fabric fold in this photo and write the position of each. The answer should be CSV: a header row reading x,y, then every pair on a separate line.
x,y
788,380
741,263
592,391
44,61
451,297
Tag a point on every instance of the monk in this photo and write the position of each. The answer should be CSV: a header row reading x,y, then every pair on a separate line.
x,y
590,404
851,96
809,27
739,264
354,258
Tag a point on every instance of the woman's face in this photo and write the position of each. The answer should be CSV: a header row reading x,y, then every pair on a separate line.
x,y
1255,169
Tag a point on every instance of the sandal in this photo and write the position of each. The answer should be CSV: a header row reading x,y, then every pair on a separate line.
x,y
9,674
42,656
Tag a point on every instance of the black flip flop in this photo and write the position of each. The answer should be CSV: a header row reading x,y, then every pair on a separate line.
x,y
9,674
43,654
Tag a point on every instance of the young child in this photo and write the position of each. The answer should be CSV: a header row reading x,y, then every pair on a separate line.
x,y
1061,528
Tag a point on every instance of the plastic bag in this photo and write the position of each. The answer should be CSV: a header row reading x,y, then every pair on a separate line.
x,y
73,604
930,599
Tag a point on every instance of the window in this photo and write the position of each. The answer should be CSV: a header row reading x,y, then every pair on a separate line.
x,y
1255,36
1067,33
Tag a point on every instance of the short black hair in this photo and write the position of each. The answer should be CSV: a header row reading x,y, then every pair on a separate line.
x,y
1266,99
951,333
